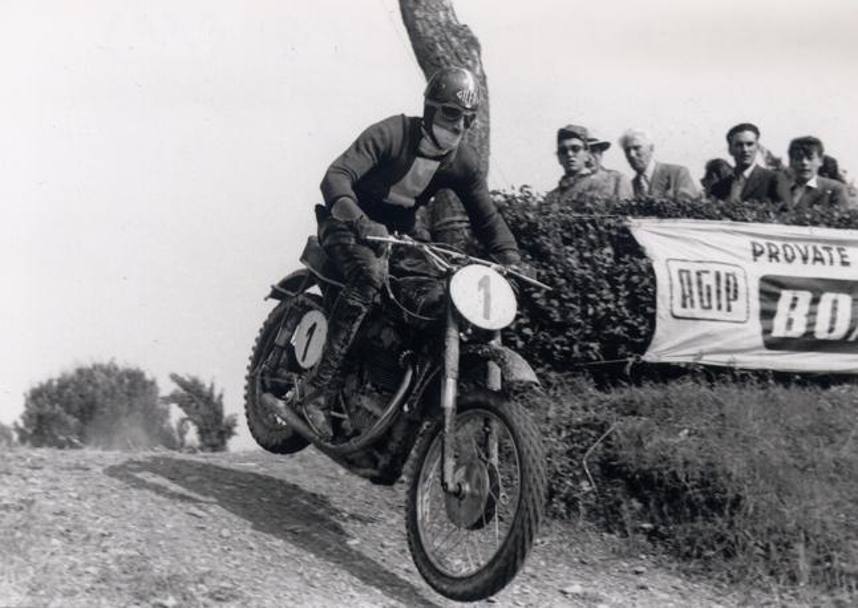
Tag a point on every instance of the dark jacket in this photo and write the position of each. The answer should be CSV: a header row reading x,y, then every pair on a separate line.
x,y
762,185
385,174
828,193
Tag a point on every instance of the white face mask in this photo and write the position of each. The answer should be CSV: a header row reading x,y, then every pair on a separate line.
x,y
446,139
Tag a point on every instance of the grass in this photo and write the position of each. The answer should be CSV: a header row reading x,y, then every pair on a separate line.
x,y
752,478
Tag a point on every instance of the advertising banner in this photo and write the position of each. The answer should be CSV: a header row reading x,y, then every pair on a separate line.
x,y
758,296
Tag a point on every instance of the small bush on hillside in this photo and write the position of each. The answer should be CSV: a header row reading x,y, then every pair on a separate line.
x,y
762,475
102,405
203,407
7,437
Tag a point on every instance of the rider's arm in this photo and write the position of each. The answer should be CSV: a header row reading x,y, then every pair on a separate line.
x,y
486,222
345,209
370,149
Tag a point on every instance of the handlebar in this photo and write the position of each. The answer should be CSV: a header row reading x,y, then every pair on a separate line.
x,y
432,250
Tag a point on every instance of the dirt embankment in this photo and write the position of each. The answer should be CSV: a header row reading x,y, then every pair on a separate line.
x,y
158,529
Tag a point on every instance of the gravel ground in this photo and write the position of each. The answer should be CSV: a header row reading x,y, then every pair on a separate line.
x,y
159,529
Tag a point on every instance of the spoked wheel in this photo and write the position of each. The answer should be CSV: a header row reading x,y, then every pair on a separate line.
x,y
470,546
287,346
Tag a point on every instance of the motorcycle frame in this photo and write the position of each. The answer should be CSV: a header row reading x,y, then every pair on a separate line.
x,y
500,362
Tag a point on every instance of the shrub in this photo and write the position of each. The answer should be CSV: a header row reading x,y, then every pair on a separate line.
x,y
102,405
203,408
757,473
7,437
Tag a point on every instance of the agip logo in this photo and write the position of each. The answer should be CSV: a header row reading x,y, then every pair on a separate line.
x,y
708,291
809,314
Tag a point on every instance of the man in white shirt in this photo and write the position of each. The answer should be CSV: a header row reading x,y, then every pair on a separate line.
x,y
749,181
806,188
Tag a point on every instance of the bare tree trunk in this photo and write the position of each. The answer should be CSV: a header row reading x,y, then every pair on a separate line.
x,y
439,40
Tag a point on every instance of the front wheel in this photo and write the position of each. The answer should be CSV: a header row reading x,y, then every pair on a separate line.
x,y
469,547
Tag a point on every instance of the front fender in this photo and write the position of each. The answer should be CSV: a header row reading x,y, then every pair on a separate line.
x,y
292,284
515,370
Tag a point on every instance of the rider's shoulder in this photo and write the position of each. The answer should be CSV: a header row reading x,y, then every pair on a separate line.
x,y
397,122
390,129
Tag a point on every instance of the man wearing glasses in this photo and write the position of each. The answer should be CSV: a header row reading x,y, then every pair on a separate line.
x,y
374,188
579,185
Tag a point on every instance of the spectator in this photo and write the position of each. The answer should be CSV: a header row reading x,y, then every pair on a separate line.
x,y
851,190
830,168
612,182
658,180
748,180
715,170
806,188
577,185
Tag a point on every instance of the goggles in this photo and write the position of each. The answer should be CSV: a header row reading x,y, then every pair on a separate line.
x,y
453,113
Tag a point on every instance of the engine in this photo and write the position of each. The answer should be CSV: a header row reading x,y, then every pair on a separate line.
x,y
374,372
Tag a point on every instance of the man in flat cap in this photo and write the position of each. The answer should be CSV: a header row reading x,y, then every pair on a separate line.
x,y
577,186
749,181
614,183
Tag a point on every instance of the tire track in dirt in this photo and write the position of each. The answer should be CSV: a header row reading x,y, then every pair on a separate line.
x,y
159,529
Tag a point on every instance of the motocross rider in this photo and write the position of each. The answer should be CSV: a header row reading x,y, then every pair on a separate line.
x,y
375,188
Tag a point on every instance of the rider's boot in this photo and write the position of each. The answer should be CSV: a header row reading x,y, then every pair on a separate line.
x,y
322,385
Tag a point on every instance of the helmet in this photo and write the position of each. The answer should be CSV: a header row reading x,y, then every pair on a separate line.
x,y
456,86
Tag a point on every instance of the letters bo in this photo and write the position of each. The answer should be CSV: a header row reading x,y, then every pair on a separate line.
x,y
809,314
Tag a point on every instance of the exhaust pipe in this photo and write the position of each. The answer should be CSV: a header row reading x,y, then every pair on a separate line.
x,y
297,423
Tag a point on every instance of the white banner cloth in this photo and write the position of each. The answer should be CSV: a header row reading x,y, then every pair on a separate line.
x,y
758,296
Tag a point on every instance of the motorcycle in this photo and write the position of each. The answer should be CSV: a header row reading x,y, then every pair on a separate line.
x,y
437,401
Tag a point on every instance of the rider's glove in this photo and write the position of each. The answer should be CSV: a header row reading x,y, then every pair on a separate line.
x,y
365,227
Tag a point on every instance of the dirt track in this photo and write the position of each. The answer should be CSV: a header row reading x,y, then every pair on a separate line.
x,y
158,529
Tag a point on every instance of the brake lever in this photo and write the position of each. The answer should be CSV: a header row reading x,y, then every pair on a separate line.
x,y
522,277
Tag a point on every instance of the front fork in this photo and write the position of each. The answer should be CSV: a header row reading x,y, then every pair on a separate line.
x,y
449,391
449,388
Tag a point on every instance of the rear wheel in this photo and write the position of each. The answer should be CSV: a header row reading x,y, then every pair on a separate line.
x,y
285,349
469,547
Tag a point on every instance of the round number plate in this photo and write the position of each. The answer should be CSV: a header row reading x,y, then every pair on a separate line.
x,y
309,338
483,297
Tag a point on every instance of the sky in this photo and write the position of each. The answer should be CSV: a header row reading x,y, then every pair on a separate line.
x,y
159,160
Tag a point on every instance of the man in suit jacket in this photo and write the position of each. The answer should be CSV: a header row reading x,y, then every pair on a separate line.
x,y
806,189
748,181
654,179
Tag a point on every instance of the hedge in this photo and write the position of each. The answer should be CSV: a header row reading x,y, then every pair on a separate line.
x,y
603,304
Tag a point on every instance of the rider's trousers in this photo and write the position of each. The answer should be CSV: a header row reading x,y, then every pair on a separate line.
x,y
419,288
364,272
